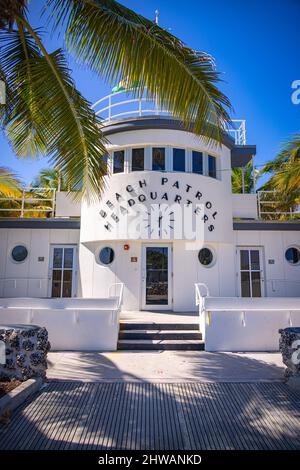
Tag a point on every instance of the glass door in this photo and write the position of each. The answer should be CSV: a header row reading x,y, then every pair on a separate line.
x,y
156,277
250,272
62,271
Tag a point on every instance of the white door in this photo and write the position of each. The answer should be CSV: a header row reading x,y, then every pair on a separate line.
x,y
250,272
63,271
157,277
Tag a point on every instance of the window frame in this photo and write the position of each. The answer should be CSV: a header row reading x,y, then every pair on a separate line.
x,y
113,161
184,159
15,246
165,158
98,255
289,248
131,158
74,269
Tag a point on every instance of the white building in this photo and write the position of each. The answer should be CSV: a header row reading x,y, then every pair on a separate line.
x,y
167,219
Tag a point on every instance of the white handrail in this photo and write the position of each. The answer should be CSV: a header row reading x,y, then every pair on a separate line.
x,y
120,295
134,107
27,197
198,293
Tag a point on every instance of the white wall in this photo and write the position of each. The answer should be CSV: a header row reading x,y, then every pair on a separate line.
x,y
66,205
244,206
96,278
213,191
72,324
187,270
281,279
29,278
252,331
219,277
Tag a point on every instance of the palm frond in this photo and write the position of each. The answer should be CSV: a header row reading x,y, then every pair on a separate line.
x,y
285,168
48,114
237,179
9,183
117,43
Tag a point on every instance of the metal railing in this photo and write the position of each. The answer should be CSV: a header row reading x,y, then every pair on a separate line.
x,y
31,200
270,198
123,104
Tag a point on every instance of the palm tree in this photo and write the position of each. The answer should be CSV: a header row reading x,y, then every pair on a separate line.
x,y
9,183
240,176
285,177
50,178
46,114
10,187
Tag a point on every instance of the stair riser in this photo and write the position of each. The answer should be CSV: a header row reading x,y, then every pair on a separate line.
x,y
159,326
160,335
159,347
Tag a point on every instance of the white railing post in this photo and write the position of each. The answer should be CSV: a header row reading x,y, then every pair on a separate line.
x,y
109,108
22,203
53,203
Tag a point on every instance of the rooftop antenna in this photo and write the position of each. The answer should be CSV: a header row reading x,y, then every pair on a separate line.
x,y
156,16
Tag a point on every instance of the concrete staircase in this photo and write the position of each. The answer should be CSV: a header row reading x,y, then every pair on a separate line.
x,y
160,336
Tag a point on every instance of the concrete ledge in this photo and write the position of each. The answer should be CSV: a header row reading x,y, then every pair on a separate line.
x,y
16,397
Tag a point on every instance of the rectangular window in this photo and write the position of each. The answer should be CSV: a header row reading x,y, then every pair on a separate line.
x,y
251,272
212,166
197,162
137,162
178,160
119,161
62,271
104,164
158,159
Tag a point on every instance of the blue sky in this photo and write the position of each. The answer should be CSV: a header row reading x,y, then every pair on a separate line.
x,y
256,47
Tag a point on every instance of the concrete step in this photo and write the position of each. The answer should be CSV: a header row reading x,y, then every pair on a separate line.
x,y
159,345
160,334
158,326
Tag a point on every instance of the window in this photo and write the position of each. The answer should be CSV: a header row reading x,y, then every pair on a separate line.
x,y
212,166
106,255
205,256
250,272
104,164
197,162
19,253
137,163
292,255
178,160
63,269
118,161
158,159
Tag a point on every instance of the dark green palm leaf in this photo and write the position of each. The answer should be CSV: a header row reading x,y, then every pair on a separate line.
x,y
117,43
48,114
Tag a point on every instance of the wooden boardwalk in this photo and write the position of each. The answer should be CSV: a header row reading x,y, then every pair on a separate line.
x,y
124,415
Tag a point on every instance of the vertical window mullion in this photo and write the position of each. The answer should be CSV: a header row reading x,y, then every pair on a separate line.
x,y
62,273
250,273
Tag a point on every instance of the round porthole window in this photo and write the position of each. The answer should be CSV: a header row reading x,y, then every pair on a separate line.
x,y
205,256
106,255
19,253
292,255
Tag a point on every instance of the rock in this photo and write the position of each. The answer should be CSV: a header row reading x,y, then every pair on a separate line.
x,y
26,348
289,345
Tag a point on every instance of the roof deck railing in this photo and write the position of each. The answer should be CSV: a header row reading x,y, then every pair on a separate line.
x,y
124,104
37,201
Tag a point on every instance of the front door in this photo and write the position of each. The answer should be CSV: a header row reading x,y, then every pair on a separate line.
x,y
251,276
157,277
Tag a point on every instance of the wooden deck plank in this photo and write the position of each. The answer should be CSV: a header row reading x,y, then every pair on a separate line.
x,y
131,415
